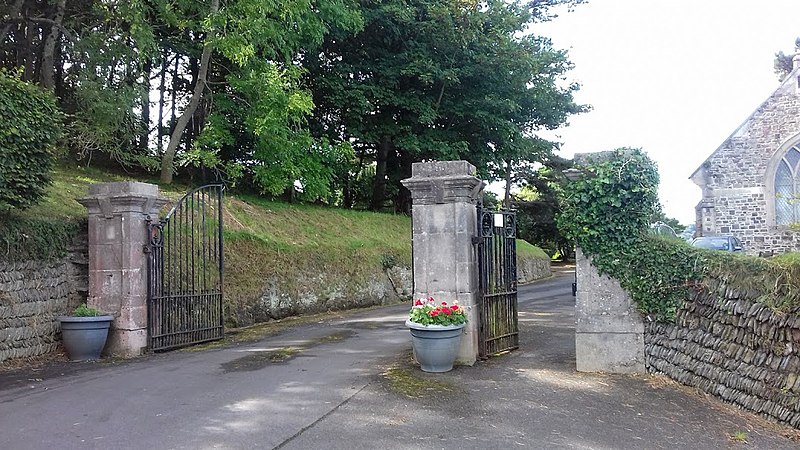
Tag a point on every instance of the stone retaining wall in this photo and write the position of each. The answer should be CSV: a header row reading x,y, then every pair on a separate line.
x,y
320,291
727,345
32,295
532,269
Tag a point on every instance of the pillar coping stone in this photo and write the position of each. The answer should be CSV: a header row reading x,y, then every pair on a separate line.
x,y
440,182
124,188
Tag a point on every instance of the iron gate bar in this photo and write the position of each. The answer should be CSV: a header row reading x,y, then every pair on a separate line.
x,y
186,272
499,325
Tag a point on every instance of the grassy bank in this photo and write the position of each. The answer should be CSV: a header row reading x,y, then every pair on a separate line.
x,y
281,259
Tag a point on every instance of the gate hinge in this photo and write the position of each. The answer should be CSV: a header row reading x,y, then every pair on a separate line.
x,y
476,240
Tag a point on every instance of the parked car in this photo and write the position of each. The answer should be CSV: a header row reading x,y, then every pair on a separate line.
x,y
723,243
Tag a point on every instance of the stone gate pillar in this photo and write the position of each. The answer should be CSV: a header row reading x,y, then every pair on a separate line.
x,y
117,264
609,331
444,221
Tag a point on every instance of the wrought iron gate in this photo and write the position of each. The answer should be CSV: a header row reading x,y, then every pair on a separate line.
x,y
185,271
497,268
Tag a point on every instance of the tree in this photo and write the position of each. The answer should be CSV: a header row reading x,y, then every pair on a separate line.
x,y
538,204
439,80
257,53
671,221
783,62
106,60
197,93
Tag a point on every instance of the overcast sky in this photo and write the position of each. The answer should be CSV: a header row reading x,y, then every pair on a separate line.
x,y
673,77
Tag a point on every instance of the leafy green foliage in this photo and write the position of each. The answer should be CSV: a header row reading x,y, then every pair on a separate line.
x,y
783,62
338,97
30,125
539,203
671,221
83,310
607,213
439,80
23,238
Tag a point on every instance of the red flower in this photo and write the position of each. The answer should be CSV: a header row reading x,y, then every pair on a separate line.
x,y
444,303
418,302
434,313
430,299
454,308
447,311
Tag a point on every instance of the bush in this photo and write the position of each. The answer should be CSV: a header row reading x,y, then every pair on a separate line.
x,y
607,213
23,238
30,125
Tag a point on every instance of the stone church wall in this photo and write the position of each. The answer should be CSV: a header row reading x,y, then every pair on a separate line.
x,y
737,189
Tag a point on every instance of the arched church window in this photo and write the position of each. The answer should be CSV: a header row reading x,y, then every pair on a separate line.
x,y
787,188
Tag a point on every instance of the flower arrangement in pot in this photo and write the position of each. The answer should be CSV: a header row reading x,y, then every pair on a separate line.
x,y
84,333
436,329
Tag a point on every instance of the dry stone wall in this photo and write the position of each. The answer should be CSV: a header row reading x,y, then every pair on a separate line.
x,y
32,295
728,345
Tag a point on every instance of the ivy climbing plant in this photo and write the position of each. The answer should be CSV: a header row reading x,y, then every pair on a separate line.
x,y
607,212
30,126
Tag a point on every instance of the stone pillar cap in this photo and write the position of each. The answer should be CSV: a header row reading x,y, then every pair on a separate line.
x,y
124,188
440,169
439,182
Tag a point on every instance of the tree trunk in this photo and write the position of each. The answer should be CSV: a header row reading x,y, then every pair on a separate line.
x,y
507,198
161,89
349,198
379,184
31,31
46,76
144,138
403,205
183,120
14,12
174,94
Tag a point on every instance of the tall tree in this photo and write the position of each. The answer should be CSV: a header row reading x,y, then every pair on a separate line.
x,y
257,44
440,79
188,112
538,204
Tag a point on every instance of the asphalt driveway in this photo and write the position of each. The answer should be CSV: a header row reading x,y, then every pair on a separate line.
x,y
350,383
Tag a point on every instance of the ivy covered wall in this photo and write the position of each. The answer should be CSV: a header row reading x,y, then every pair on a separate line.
x,y
727,324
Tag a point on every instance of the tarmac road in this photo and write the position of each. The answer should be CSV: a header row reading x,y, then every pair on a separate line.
x,y
351,384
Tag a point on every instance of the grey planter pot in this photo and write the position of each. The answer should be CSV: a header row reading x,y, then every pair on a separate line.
x,y
435,346
84,337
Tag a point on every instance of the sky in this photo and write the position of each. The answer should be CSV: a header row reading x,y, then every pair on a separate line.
x,y
672,77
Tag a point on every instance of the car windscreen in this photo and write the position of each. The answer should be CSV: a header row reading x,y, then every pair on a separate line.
x,y
714,244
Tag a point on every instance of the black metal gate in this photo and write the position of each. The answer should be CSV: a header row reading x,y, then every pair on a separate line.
x,y
497,268
185,271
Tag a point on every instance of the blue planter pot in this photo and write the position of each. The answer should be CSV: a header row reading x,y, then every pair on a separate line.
x,y
84,337
435,346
